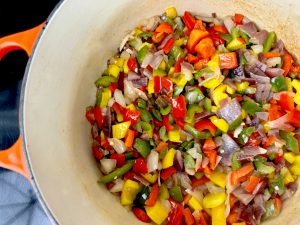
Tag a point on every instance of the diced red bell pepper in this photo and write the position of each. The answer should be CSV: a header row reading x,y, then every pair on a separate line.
x,y
162,82
168,46
253,182
131,115
118,108
177,66
188,217
199,182
164,28
199,25
165,174
221,29
212,156
97,152
166,123
179,122
241,174
194,38
179,107
98,116
120,158
275,112
205,48
238,18
89,114
206,125
294,118
201,64
141,215
129,175
153,196
203,218
113,87
191,58
209,144
176,214
253,140
121,81
216,37
287,63
132,64
140,166
105,144
269,141
189,21
228,60
286,102
158,37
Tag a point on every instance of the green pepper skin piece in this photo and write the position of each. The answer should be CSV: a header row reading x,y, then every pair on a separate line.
x,y
270,40
197,134
207,104
291,142
142,103
165,111
116,173
141,54
175,193
99,97
263,169
176,52
279,84
251,107
142,196
105,81
142,146
145,115
156,114
163,134
235,162
235,123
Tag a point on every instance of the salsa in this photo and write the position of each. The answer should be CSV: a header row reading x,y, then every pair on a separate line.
x,y
196,121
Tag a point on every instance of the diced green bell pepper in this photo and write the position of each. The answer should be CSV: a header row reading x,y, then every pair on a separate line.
x,y
236,164
279,84
105,81
251,107
142,196
262,168
142,103
207,104
235,123
192,109
145,35
176,194
270,40
156,114
177,91
245,134
176,52
189,162
145,114
166,110
163,134
197,134
142,53
142,146
291,141
194,96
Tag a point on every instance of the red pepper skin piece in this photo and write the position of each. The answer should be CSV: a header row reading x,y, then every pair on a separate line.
x,y
165,174
188,217
191,58
198,182
201,64
228,60
118,108
167,48
189,21
215,36
132,64
98,116
275,112
179,107
206,125
166,123
176,214
294,118
238,18
220,29
287,63
140,166
153,196
177,66
158,37
141,215
121,81
162,82
97,152
89,114
113,87
286,102
120,158
131,115
164,28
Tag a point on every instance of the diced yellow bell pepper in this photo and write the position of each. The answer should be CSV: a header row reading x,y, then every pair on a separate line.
x,y
125,67
120,62
218,215
150,87
241,86
244,114
179,42
295,169
297,159
288,81
219,123
235,44
163,192
288,178
214,199
296,84
157,213
171,70
214,63
174,135
106,95
179,80
171,12
214,108
290,157
241,223
162,65
195,204
212,83
219,97
131,107
218,178
150,132
297,98
113,70
137,31
298,107
129,191
145,44
230,90
120,117
169,158
102,136
120,130
152,178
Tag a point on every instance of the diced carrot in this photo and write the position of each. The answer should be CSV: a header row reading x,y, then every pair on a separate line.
x,y
241,174
271,54
194,38
164,28
228,60
161,146
209,144
130,138
287,63
201,64
205,48
238,18
191,58
253,182
188,217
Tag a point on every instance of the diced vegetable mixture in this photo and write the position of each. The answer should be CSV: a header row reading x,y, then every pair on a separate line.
x,y
197,121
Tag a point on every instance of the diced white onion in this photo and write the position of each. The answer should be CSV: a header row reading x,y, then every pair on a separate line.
x,y
118,186
257,49
152,161
119,97
117,144
108,165
272,62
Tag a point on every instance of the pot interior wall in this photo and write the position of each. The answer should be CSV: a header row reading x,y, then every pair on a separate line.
x,y
71,54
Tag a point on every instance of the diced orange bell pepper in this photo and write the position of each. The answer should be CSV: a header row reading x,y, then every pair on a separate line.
x,y
194,38
221,29
238,18
271,54
275,112
253,182
199,25
228,60
188,217
212,156
294,118
130,138
191,58
241,174
161,146
158,37
164,28
209,144
287,63
205,48
286,102
201,64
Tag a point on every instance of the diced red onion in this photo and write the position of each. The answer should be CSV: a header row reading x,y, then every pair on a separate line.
x,y
262,115
243,196
259,37
141,82
227,148
279,46
257,49
263,91
125,40
260,79
290,191
147,74
249,28
119,97
184,180
259,188
179,158
164,42
274,72
261,66
272,62
230,111
281,123
108,165
229,24
141,179
156,60
212,188
187,69
117,144
118,186
205,162
199,162
132,76
251,59
152,161
146,61
149,24
185,135
249,152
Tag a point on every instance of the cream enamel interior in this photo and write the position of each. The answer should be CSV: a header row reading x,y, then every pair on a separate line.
x,y
72,52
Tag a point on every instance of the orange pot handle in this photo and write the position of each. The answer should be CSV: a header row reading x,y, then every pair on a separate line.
x,y
13,158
